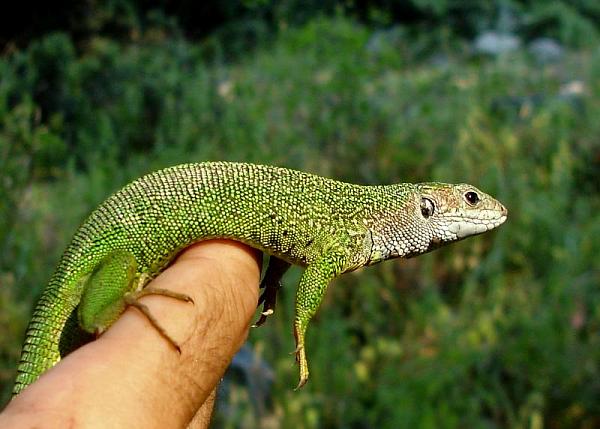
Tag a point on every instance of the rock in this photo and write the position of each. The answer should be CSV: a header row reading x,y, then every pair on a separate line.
x,y
546,50
494,43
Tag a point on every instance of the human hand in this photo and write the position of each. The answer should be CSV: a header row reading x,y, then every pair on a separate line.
x,y
131,376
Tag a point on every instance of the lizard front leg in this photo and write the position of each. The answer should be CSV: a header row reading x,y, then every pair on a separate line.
x,y
311,291
271,284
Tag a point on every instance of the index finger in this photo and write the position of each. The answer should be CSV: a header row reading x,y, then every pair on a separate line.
x,y
131,375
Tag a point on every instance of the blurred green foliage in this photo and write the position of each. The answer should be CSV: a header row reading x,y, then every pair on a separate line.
x,y
242,24
498,331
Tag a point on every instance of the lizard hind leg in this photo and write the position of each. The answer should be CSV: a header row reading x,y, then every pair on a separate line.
x,y
111,288
102,300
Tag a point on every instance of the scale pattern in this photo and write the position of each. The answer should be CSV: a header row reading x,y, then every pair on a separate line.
x,y
301,218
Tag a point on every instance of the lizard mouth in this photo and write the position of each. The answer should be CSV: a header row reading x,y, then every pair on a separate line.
x,y
501,218
486,221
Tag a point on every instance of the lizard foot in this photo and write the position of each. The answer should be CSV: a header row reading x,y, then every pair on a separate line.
x,y
268,299
132,299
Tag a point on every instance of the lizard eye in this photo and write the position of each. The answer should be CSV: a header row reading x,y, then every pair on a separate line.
x,y
472,197
427,207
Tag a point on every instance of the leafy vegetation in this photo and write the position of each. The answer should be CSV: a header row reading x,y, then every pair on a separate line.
x,y
498,331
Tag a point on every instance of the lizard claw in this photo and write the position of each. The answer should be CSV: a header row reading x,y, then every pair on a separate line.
x,y
263,317
301,359
301,383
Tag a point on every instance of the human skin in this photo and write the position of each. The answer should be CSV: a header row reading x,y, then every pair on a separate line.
x,y
131,376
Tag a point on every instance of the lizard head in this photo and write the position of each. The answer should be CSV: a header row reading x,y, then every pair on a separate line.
x,y
434,214
452,212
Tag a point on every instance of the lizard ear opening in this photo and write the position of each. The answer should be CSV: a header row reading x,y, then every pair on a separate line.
x,y
427,207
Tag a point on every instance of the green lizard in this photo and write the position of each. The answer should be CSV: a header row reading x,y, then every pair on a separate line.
x,y
327,226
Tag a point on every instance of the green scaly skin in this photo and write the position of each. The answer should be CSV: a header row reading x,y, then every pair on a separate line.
x,y
327,226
